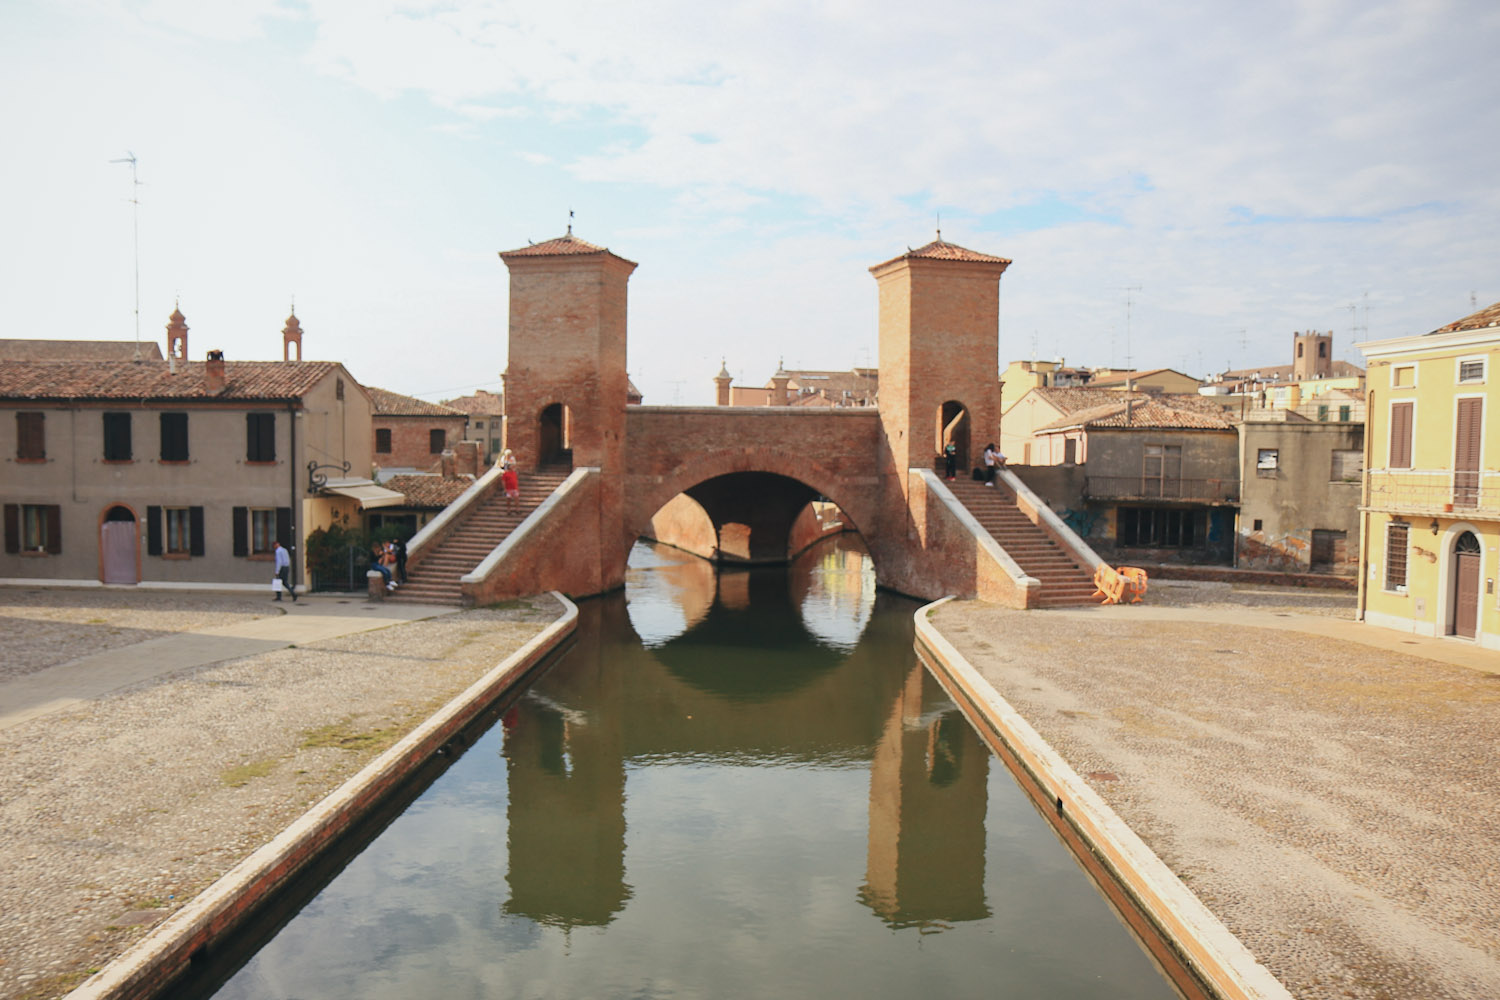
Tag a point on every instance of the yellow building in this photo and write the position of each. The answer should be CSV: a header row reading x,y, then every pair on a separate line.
x,y
1430,545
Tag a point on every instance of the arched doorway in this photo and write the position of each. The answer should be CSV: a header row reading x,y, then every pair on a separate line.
x,y
119,546
1467,555
555,436
953,427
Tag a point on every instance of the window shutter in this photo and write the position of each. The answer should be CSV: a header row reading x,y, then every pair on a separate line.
x,y
153,531
284,527
54,529
1400,454
195,529
240,520
12,528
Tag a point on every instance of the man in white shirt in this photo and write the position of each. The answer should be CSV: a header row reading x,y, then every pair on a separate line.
x,y
284,571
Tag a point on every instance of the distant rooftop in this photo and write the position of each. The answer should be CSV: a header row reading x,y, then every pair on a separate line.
x,y
79,350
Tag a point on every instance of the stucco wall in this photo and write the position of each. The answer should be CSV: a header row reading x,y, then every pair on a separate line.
x,y
1298,497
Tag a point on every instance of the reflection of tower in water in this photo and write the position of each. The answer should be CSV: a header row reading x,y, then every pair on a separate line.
x,y
566,810
928,782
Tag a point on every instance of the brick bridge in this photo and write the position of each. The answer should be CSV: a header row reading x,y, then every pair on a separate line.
x,y
751,470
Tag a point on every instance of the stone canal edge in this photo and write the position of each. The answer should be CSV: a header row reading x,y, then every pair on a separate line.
x,y
164,954
1112,853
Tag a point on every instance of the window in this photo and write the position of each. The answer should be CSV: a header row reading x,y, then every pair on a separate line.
x,y
1323,413
437,440
1267,460
479,425
1344,414
174,531
31,438
1258,525
1322,350
383,440
117,437
1395,555
338,389
1400,453
262,530
1404,377
257,529
174,437
1161,470
1348,465
31,527
260,437
1471,369
1158,528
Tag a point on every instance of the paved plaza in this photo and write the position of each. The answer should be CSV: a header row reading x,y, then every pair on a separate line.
x,y
1327,789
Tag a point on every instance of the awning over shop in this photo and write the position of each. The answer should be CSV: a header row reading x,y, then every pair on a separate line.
x,y
365,492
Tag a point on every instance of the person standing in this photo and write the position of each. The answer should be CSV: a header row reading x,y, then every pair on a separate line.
x,y
284,571
511,484
950,460
991,463
400,546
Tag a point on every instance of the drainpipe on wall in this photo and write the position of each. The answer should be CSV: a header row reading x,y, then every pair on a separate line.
x,y
293,464
1364,514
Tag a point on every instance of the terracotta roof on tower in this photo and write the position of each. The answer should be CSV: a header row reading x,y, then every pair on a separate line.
x,y
941,250
1487,317
566,245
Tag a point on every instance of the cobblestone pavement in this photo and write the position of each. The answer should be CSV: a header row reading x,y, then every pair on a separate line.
x,y
1334,803
115,814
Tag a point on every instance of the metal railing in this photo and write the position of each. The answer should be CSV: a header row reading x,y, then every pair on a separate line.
x,y
1438,492
1152,488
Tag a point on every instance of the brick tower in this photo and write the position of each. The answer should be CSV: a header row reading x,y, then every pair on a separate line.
x,y
939,344
565,383
1312,355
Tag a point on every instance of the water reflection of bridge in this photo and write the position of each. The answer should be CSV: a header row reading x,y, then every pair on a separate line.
x,y
704,696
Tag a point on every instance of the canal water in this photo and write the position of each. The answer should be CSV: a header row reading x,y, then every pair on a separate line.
x,y
739,784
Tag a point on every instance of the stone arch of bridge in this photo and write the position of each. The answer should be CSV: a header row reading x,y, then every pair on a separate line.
x,y
647,495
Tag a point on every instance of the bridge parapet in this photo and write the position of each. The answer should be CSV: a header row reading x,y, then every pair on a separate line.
x,y
556,547
449,518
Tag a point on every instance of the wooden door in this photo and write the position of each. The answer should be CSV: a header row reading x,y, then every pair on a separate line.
x,y
117,550
1466,559
1466,440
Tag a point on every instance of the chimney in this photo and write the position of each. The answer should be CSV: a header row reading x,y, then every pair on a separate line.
x,y
449,464
214,369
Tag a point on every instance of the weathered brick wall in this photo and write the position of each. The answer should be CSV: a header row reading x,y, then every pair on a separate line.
x,y
558,553
683,524
410,441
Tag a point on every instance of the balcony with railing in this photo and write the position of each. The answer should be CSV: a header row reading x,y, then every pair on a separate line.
x,y
1437,492
1162,488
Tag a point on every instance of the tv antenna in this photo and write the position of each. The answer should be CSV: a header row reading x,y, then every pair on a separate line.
x,y
135,222
1129,291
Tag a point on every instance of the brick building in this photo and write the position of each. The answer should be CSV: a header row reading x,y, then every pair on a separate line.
x,y
411,434
486,421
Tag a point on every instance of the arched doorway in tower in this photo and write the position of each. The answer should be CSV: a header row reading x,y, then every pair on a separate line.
x,y
953,426
1467,555
119,546
555,436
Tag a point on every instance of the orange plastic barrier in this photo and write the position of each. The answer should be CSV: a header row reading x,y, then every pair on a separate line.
x,y
1135,582
1108,584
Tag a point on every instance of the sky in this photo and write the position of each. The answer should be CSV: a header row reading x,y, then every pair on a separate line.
x,y
1179,184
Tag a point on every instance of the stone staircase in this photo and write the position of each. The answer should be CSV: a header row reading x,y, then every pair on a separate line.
x,y
435,579
1065,580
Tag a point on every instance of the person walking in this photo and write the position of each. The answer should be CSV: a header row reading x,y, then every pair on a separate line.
x,y
510,482
284,571
992,462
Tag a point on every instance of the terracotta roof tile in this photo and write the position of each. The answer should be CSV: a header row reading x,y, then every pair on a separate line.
x,y
1174,412
1485,318
428,491
563,246
153,380
393,404
78,350
480,404
940,250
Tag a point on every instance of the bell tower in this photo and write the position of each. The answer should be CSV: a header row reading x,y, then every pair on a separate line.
x,y
939,346
565,381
